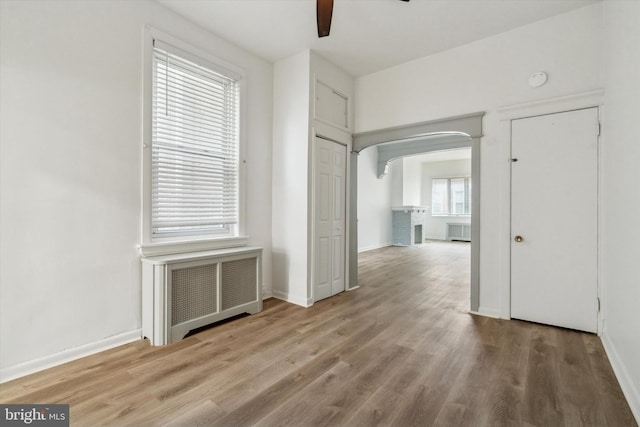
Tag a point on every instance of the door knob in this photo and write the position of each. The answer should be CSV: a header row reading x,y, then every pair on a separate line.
x,y
518,239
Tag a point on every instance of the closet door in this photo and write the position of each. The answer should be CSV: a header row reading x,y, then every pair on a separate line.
x,y
554,219
329,201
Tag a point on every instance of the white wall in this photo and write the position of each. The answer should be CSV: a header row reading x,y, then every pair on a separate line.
x,y
395,172
484,76
435,225
620,201
71,155
294,129
374,203
290,177
405,175
412,181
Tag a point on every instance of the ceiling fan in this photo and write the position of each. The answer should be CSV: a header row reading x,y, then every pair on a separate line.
x,y
324,11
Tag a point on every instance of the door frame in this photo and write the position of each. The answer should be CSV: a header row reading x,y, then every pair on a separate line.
x,y
469,125
313,251
591,99
336,139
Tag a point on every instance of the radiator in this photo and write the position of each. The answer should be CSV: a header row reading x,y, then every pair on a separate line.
x,y
186,291
457,231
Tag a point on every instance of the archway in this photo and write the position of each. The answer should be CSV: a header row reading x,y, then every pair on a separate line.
x,y
443,134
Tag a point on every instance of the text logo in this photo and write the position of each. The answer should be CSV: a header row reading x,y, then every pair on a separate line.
x,y
34,415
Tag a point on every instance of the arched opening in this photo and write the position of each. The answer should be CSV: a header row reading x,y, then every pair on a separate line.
x,y
437,135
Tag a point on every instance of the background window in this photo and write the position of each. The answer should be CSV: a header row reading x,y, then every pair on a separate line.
x,y
194,146
451,196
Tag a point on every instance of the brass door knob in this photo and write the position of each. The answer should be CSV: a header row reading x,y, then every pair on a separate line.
x,y
518,239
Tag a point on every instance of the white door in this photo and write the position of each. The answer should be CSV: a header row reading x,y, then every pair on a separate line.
x,y
329,225
554,184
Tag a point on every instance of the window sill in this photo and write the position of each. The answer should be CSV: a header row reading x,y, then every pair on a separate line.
x,y
170,248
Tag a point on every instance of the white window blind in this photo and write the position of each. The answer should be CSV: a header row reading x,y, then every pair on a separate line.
x,y
195,146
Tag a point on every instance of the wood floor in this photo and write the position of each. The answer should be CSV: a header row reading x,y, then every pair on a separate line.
x,y
400,351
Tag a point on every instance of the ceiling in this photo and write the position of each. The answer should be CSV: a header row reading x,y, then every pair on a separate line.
x,y
366,35
445,155
441,156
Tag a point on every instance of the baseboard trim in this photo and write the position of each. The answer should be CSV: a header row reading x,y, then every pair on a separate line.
x,y
487,312
629,389
308,302
370,248
32,366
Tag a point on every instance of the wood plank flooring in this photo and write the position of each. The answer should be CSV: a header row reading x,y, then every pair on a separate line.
x,y
400,351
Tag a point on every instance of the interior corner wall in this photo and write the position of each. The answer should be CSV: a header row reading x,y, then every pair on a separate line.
x,y
620,199
484,76
71,171
374,203
291,88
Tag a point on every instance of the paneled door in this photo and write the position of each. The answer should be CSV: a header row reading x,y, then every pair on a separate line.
x,y
329,201
554,219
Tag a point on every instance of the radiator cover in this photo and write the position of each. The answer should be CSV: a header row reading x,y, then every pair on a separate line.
x,y
186,291
459,231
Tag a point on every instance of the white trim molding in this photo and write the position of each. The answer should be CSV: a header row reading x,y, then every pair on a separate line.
x,y
557,104
373,247
26,368
506,114
486,312
285,296
471,126
629,389
180,247
217,63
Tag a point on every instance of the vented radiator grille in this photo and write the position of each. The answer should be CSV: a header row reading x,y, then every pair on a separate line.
x,y
238,282
186,291
459,232
193,292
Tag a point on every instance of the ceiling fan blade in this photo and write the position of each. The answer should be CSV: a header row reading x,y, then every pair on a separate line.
x,y
324,10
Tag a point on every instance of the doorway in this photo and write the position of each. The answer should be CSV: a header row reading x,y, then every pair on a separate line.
x,y
329,204
554,219
419,138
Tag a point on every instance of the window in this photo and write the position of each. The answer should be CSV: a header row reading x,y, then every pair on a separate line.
x,y
451,196
194,147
